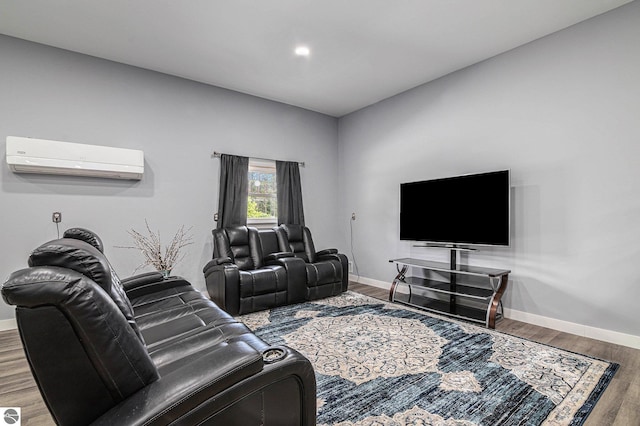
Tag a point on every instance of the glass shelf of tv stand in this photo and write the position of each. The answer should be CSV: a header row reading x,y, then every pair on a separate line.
x,y
478,271
476,303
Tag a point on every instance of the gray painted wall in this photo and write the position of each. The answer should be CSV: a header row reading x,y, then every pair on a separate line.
x,y
562,114
54,94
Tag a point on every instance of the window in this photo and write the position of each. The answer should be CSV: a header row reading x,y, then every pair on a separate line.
x,y
262,205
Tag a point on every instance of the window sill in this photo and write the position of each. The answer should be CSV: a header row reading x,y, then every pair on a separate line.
x,y
262,223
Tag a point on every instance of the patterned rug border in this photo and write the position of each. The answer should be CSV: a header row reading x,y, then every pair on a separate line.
x,y
588,406
606,368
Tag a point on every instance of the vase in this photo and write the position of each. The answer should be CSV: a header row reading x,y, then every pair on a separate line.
x,y
165,273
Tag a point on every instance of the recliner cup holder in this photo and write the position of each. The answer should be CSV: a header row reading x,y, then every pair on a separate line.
x,y
273,354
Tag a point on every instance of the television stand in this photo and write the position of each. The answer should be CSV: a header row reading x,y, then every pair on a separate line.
x,y
477,302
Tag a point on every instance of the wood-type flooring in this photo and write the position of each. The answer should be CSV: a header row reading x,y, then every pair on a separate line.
x,y
618,406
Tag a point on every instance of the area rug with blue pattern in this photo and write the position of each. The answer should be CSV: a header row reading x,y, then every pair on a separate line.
x,y
377,363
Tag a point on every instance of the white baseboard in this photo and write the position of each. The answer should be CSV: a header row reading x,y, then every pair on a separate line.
x,y
609,336
574,328
368,281
8,324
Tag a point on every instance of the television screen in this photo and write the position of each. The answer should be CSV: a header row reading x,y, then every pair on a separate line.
x,y
461,210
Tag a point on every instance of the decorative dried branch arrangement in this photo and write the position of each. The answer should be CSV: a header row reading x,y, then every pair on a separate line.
x,y
151,248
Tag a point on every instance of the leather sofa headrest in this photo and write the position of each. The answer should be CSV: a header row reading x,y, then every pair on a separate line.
x,y
294,232
76,255
86,236
238,235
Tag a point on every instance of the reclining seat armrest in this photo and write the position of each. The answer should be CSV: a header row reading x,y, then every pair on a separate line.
x,y
222,279
330,253
150,286
296,274
344,263
274,257
217,261
326,252
182,391
208,391
138,280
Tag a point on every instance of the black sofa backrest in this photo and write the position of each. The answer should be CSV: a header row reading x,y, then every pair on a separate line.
x,y
297,239
241,244
84,258
269,242
78,342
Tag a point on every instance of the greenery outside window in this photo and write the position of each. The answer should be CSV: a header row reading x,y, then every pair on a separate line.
x,y
262,204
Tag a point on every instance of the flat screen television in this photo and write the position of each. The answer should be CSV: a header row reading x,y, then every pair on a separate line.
x,y
461,210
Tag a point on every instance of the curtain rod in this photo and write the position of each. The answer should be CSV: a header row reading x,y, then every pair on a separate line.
x,y
218,154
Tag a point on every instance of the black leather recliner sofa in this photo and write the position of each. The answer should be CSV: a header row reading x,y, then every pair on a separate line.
x,y
149,351
253,269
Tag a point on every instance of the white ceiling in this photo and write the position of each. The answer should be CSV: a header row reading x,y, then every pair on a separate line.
x,y
362,51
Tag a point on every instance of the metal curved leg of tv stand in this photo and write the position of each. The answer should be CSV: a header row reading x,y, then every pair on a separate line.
x,y
399,278
496,301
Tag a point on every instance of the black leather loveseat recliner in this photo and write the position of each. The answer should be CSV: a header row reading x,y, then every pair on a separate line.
x,y
151,351
248,273
253,269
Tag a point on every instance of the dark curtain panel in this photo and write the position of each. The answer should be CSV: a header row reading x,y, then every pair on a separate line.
x,y
234,183
290,209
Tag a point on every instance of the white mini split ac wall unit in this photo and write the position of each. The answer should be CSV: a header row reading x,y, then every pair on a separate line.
x,y
27,155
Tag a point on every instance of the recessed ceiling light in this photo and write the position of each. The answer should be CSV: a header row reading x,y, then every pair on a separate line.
x,y
302,51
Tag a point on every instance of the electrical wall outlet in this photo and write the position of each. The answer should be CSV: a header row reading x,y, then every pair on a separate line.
x,y
350,267
56,217
353,216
